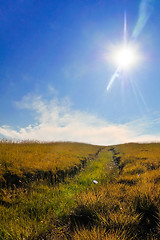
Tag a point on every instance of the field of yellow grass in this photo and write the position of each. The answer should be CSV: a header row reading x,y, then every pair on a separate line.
x,y
79,192
128,206
36,160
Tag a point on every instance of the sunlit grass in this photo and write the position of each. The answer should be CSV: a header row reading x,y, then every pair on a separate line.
x,y
26,156
41,207
123,203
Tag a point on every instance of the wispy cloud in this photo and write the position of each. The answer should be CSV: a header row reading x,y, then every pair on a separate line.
x,y
56,121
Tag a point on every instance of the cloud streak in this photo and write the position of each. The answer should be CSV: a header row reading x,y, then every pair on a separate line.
x,y
55,120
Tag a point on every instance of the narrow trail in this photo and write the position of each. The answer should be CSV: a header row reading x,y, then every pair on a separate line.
x,y
93,170
117,159
65,194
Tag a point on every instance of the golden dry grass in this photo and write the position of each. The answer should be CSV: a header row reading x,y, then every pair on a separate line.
x,y
124,205
129,204
31,156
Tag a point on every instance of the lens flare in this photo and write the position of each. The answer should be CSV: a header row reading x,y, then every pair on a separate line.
x,y
145,11
113,78
126,56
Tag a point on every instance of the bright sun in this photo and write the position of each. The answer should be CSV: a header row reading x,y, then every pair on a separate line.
x,y
125,57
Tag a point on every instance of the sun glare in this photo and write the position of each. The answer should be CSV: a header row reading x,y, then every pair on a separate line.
x,y
125,57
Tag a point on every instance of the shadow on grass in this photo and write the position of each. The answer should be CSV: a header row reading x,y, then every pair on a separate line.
x,y
82,216
149,216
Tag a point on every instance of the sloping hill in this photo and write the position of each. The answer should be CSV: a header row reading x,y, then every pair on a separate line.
x,y
79,191
30,161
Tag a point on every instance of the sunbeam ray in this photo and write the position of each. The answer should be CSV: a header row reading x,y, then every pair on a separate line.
x,y
125,29
119,68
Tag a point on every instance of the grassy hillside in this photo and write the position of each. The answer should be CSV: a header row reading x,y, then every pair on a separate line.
x,y
28,161
79,191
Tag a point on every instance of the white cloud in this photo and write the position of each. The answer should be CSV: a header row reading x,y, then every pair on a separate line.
x,y
56,121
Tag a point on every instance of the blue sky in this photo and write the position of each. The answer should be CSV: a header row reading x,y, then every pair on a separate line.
x,y
54,71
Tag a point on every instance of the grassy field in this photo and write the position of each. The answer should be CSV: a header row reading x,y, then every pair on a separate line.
x,y
28,161
79,191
